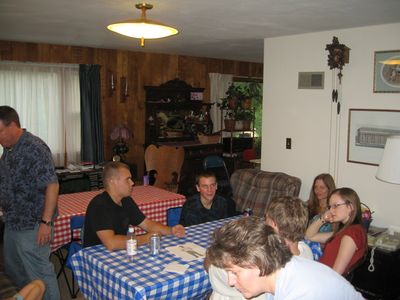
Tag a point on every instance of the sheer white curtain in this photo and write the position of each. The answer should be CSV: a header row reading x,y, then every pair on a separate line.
x,y
219,84
47,99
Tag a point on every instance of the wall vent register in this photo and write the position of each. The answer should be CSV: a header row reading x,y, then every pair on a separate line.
x,y
311,80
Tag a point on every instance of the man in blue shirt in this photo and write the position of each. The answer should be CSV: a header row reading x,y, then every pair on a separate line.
x,y
31,189
206,205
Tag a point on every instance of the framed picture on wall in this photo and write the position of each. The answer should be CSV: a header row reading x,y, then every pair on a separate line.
x,y
387,71
367,133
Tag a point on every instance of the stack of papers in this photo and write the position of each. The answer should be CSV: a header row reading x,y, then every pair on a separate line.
x,y
188,251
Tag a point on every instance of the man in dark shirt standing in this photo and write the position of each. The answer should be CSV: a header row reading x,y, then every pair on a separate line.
x,y
29,190
205,206
109,214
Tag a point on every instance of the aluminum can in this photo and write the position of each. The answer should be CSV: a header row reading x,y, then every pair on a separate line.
x,y
155,244
247,212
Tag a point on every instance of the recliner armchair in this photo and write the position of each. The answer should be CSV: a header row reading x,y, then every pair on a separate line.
x,y
254,188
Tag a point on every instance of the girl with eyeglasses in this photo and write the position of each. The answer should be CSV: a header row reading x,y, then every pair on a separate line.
x,y
346,244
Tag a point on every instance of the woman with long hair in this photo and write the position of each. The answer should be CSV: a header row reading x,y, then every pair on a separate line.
x,y
322,187
346,244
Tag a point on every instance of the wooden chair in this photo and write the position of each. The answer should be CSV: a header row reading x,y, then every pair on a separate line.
x,y
167,162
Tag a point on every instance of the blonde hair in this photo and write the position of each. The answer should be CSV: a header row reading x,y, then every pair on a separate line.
x,y
290,215
248,242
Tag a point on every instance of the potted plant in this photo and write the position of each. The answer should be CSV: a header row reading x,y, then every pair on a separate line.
x,y
243,118
237,108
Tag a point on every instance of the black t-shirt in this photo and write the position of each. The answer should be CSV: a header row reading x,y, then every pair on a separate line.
x,y
193,211
103,213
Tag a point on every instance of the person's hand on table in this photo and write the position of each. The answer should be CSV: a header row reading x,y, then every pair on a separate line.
x,y
178,230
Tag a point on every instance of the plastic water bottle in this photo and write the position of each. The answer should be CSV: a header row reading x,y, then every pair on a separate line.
x,y
131,244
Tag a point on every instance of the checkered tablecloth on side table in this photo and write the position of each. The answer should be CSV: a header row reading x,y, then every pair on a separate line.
x,y
108,275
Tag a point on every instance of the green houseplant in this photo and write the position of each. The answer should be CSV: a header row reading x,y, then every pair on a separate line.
x,y
237,108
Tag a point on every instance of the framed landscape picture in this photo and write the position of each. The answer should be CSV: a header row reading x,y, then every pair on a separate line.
x,y
387,71
367,133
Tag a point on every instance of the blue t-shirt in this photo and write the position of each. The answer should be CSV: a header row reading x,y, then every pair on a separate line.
x,y
27,168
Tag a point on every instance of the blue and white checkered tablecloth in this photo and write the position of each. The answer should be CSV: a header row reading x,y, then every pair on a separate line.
x,y
102,274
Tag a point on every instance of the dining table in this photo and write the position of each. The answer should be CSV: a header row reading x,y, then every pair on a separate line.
x,y
103,274
152,201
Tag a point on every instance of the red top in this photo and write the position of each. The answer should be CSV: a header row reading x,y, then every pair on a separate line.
x,y
357,233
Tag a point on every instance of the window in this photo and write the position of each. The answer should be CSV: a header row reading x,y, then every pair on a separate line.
x,y
47,99
254,87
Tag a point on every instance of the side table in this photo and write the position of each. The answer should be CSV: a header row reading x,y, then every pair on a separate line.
x,y
383,283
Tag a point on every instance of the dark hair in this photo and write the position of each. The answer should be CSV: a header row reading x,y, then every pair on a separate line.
x,y
206,174
290,215
248,242
111,170
313,203
8,115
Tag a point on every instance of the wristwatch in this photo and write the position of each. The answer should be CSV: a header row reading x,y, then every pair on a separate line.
x,y
48,223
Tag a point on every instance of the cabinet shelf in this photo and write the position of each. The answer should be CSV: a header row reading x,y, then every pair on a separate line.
x,y
173,115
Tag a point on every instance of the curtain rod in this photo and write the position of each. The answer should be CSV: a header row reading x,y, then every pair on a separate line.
x,y
12,62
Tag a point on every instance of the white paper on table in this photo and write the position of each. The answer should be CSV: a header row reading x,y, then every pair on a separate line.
x,y
188,251
174,267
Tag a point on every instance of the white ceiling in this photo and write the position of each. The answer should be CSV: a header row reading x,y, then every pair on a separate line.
x,y
228,29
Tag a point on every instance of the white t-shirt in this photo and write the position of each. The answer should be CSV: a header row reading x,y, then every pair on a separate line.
x,y
223,291
305,250
304,279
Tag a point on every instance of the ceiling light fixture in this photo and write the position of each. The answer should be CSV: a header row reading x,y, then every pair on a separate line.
x,y
143,28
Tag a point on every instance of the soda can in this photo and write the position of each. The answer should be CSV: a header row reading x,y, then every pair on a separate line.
x,y
155,244
247,212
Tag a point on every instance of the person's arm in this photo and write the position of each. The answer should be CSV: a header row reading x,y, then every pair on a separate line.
x,y
313,234
114,241
152,226
346,251
111,240
50,204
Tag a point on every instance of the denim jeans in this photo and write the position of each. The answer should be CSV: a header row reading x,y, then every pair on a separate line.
x,y
25,260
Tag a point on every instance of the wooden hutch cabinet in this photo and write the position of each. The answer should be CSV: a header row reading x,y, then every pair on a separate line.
x,y
175,111
175,115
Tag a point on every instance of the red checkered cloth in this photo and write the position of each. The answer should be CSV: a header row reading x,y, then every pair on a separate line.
x,y
152,201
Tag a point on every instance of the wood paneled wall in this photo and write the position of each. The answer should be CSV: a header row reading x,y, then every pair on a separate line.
x,y
140,69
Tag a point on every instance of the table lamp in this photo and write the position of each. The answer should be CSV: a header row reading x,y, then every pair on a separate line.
x,y
389,168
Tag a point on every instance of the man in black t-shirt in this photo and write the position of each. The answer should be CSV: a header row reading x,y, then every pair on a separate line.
x,y
206,205
109,214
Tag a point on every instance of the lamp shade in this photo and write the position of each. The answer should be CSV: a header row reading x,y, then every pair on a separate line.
x,y
121,133
389,168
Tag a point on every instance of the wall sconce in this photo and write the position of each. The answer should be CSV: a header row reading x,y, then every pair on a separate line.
x,y
124,89
111,83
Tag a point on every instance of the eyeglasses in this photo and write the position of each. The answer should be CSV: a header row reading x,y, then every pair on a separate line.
x,y
334,206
